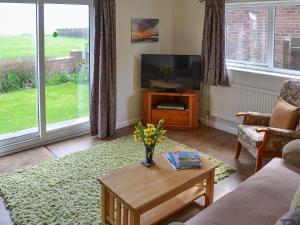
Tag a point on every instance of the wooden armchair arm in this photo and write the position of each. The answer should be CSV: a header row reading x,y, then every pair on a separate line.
x,y
241,114
279,132
284,133
260,130
273,142
255,118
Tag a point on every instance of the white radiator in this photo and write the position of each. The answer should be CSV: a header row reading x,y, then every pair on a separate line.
x,y
227,101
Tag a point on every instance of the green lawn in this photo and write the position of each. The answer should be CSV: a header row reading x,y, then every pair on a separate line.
x,y
18,110
23,46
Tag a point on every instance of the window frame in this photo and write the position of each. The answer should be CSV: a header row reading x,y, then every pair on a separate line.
x,y
271,6
42,136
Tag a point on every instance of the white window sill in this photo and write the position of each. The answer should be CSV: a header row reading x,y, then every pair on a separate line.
x,y
264,73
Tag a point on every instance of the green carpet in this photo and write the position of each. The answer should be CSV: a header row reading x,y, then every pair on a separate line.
x,y
66,191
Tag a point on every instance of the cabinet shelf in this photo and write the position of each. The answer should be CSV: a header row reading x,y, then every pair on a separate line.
x,y
176,119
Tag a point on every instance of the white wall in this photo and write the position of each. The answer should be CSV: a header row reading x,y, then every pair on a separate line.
x,y
128,55
188,22
256,80
181,26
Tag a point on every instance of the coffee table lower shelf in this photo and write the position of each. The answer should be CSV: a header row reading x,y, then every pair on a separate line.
x,y
171,206
124,216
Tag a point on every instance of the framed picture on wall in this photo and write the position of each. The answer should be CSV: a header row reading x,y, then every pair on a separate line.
x,y
144,30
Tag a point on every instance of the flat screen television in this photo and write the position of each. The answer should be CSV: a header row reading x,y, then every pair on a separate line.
x,y
171,72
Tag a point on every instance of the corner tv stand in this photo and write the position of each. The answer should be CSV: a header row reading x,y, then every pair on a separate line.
x,y
179,110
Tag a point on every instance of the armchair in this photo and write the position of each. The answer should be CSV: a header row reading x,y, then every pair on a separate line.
x,y
263,141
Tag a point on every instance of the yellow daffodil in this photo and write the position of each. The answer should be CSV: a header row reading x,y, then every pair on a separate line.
x,y
159,141
149,125
149,135
148,141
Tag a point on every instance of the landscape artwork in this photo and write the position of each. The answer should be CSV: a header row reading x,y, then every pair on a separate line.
x,y
144,30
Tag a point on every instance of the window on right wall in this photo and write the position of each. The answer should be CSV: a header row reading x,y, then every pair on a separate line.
x,y
264,36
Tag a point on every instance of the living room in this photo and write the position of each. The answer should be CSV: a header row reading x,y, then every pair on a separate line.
x,y
74,85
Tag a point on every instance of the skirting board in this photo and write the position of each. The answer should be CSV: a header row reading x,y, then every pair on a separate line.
x,y
221,124
217,123
127,122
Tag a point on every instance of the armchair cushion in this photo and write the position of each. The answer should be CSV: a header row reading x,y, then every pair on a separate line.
x,y
284,116
249,138
296,199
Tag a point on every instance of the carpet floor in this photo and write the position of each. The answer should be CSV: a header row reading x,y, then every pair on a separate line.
x,y
66,191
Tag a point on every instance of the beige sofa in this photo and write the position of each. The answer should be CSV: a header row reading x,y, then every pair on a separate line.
x,y
260,200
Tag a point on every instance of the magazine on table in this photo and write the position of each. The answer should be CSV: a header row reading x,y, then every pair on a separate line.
x,y
183,160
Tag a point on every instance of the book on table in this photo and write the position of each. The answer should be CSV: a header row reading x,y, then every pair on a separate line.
x,y
183,160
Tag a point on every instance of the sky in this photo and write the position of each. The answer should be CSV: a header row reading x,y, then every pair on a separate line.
x,y
19,18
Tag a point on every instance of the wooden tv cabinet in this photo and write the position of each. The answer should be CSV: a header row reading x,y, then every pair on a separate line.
x,y
174,119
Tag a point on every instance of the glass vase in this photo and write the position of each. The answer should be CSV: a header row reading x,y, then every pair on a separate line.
x,y
149,151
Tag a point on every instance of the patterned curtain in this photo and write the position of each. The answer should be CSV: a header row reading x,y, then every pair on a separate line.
x,y
213,44
103,80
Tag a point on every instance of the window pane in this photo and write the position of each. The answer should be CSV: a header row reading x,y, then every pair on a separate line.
x,y
287,37
18,93
247,35
67,77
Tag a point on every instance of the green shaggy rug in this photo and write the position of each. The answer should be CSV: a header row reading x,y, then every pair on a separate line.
x,y
66,191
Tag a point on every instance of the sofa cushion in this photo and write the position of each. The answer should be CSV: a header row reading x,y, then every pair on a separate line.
x,y
291,153
249,138
284,116
261,199
296,200
292,217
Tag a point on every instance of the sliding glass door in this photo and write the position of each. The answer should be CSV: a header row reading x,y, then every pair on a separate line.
x,y
44,71
18,74
67,64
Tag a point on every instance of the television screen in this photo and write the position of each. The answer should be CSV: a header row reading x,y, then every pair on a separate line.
x,y
172,72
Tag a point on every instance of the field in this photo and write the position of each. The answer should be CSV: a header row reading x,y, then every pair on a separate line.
x,y
18,110
23,46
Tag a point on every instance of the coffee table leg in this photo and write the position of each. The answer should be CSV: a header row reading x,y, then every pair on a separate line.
x,y
209,192
105,205
134,218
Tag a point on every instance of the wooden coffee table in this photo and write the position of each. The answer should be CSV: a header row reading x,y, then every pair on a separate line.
x,y
136,195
